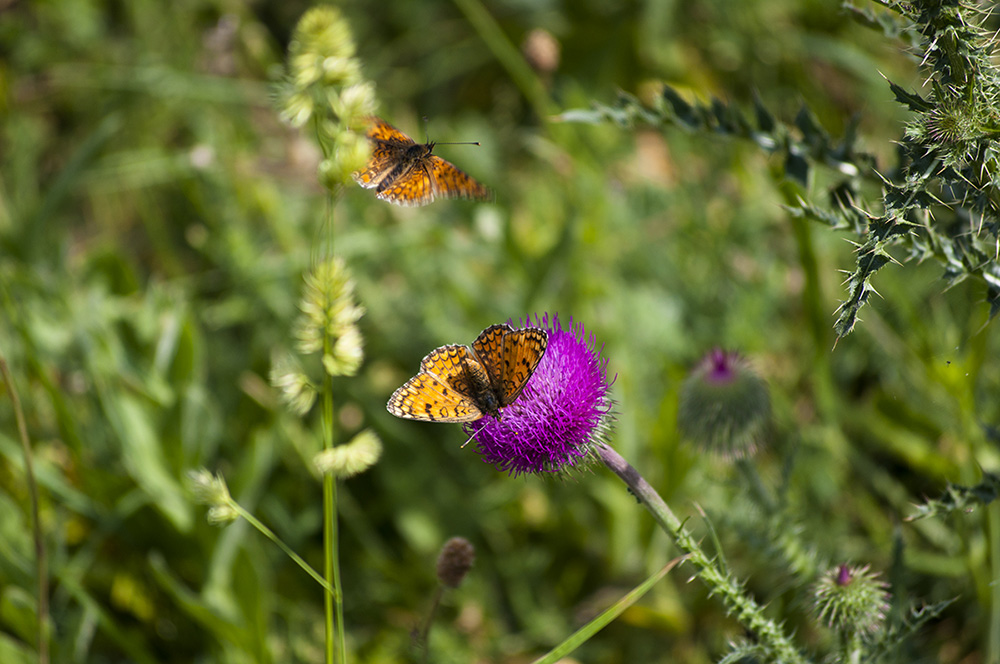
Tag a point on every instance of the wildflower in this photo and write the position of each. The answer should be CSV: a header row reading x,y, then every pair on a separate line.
x,y
851,599
352,458
324,83
211,490
563,412
329,310
724,405
294,385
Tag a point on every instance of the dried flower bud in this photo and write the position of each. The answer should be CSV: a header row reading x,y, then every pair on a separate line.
x,y
455,561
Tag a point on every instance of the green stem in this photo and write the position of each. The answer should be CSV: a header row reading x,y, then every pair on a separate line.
x,y
269,534
750,614
36,526
508,55
993,531
334,603
423,636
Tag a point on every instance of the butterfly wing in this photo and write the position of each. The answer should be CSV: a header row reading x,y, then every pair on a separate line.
x,y
426,397
450,182
489,350
522,351
413,188
388,147
380,131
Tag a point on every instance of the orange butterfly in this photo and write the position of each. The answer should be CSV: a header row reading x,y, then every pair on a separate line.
x,y
404,172
462,384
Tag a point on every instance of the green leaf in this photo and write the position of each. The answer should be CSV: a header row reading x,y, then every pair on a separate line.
x,y
144,459
911,100
583,634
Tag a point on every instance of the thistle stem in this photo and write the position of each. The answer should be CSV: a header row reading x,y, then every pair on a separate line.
x,y
750,614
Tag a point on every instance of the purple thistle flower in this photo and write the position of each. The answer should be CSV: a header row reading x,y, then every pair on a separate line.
x,y
724,406
562,413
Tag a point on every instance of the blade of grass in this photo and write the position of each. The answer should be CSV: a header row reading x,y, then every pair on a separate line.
x,y
36,527
582,635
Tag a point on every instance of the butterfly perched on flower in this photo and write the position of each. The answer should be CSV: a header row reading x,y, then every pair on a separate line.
x,y
461,384
405,172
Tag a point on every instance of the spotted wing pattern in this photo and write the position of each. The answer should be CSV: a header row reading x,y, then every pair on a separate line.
x,y
522,351
442,391
462,384
414,188
489,350
450,182
388,150
406,173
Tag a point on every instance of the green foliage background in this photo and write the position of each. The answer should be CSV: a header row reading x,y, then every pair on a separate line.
x,y
155,221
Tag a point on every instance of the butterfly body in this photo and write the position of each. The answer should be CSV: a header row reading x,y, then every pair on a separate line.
x,y
462,384
405,172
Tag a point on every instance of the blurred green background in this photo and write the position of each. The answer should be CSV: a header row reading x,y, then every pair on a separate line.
x,y
155,222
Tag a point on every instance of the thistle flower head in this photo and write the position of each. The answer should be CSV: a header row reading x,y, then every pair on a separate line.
x,y
724,405
563,412
851,599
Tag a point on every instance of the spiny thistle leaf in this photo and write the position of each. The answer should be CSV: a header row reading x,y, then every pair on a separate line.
x,y
961,498
891,639
939,202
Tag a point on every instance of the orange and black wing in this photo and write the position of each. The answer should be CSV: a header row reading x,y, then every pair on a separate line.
x,y
413,188
427,397
489,350
388,147
522,351
450,182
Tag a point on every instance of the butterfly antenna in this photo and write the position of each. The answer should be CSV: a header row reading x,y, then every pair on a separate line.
x,y
426,133
469,440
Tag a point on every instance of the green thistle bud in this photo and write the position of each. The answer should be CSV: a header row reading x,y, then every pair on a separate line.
x,y
724,406
353,458
852,600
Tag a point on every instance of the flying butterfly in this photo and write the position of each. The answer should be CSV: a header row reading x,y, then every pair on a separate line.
x,y
461,384
405,172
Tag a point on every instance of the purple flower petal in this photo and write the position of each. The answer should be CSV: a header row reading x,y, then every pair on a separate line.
x,y
563,411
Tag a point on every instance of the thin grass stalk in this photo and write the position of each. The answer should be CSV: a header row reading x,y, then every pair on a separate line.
x,y
41,563
269,534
